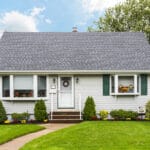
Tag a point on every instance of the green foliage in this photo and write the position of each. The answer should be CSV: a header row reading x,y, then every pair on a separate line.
x,y
123,114
148,110
103,114
132,15
89,109
40,113
20,116
3,116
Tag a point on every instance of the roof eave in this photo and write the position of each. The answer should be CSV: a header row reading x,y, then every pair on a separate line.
x,y
73,71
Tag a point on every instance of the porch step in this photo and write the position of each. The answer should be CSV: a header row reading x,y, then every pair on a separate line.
x,y
66,113
65,121
65,117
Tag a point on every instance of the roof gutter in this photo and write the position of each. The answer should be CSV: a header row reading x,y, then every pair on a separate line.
x,y
74,71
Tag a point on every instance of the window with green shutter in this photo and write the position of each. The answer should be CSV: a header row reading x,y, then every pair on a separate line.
x,y
106,85
143,84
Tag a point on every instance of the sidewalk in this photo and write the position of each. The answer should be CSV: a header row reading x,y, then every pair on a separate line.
x,y
17,143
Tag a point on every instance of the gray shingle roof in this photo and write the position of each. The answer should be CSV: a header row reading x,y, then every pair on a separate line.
x,y
74,51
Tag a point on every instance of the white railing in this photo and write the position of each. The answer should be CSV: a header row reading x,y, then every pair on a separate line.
x,y
80,107
52,99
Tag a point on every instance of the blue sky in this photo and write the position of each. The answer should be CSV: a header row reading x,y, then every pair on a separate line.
x,y
51,15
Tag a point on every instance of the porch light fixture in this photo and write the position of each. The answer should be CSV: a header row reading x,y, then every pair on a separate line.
x,y
77,80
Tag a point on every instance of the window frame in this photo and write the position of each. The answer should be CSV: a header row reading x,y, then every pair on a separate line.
x,y
136,84
31,90
34,88
3,86
37,89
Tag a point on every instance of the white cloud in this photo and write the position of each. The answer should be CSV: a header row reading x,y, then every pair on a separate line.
x,y
17,21
92,6
36,11
48,21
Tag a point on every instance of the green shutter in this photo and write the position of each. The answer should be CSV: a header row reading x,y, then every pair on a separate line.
x,y
143,84
105,85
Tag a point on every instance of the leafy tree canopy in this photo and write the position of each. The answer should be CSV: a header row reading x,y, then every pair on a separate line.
x,y
132,15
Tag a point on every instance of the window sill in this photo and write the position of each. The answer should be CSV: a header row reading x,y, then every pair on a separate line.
x,y
24,99
122,94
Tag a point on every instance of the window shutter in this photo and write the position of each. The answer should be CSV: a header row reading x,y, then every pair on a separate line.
x,y
143,84
106,85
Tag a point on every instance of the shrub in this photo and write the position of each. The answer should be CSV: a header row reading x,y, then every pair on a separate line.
x,y
103,114
131,114
89,109
123,114
3,115
147,110
118,114
20,116
40,113
16,117
25,116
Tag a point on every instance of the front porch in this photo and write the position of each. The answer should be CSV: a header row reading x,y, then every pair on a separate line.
x,y
64,106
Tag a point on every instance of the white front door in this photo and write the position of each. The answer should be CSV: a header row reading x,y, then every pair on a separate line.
x,y
65,99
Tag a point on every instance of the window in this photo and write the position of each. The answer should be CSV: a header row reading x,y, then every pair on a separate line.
x,y
6,86
23,86
41,86
124,84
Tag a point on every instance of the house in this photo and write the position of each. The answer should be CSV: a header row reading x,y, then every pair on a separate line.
x,y
65,68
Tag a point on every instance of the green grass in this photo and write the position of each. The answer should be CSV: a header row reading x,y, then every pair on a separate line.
x,y
9,132
99,135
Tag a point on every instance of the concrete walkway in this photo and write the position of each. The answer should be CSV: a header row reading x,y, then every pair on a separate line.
x,y
17,143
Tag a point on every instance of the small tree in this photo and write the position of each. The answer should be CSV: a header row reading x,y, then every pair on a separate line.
x,y
89,109
3,116
148,109
40,111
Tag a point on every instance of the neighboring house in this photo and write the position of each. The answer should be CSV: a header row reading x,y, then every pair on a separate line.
x,y
65,68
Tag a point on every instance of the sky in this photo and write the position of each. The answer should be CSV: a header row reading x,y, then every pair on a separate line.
x,y
51,15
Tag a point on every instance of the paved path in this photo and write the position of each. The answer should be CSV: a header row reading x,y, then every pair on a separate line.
x,y
20,141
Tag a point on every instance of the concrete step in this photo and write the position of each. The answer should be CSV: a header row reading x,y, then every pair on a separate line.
x,y
66,117
66,113
65,121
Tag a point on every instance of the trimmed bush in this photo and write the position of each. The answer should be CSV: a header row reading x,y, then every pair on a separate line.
x,y
20,116
89,109
103,114
148,110
40,113
123,114
131,114
3,115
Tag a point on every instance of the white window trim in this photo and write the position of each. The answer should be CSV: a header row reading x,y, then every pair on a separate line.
x,y
116,85
35,89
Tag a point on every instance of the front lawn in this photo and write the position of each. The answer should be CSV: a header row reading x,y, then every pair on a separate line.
x,y
99,135
9,132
